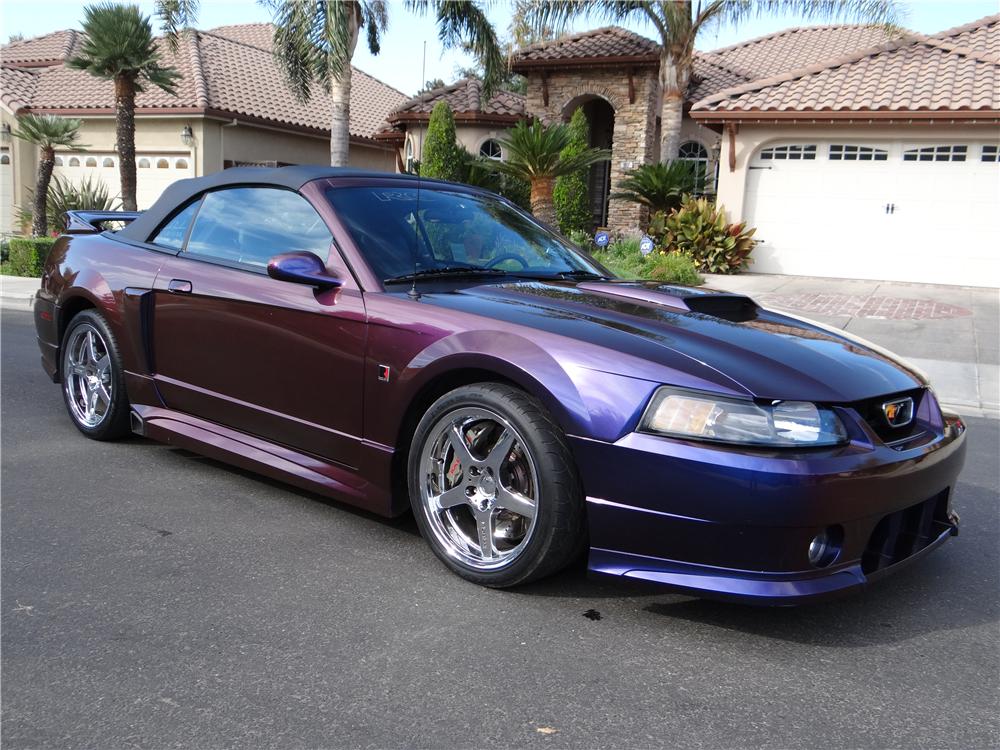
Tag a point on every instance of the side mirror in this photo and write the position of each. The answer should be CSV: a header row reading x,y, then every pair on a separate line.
x,y
301,268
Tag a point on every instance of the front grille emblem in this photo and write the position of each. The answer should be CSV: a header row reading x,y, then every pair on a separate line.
x,y
898,413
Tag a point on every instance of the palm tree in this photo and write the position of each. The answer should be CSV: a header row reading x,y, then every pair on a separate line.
x,y
119,46
175,16
535,154
660,187
46,132
678,22
314,41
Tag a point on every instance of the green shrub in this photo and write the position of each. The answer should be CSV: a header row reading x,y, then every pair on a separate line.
x,y
28,254
90,194
699,230
571,194
625,260
442,157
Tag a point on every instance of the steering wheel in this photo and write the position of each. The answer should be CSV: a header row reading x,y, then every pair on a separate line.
x,y
508,256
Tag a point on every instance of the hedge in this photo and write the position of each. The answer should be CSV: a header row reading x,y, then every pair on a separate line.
x,y
26,255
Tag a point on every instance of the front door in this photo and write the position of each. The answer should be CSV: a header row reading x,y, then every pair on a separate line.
x,y
231,345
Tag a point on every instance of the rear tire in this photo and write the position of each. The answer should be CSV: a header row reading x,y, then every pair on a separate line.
x,y
93,378
493,486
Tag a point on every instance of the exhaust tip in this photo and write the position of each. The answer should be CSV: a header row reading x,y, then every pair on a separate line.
x,y
138,426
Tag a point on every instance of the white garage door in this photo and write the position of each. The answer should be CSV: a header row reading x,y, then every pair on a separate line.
x,y
877,210
154,172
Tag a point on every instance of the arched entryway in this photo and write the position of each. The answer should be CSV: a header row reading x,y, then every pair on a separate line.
x,y
601,119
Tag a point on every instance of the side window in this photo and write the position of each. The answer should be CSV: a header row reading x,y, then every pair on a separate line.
x,y
252,225
173,232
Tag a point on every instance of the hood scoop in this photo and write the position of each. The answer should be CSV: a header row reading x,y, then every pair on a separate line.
x,y
737,308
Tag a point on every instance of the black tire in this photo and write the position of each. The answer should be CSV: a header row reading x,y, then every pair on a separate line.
x,y
114,421
558,532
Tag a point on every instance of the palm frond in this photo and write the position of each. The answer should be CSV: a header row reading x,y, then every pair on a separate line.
x,y
314,40
888,13
661,187
49,131
176,15
535,151
119,41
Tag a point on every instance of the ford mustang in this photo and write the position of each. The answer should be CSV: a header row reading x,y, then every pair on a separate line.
x,y
399,344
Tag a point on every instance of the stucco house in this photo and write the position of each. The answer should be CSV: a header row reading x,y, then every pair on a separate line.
x,y
855,154
232,107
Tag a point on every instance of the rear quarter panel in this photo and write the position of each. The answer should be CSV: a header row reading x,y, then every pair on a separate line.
x,y
93,271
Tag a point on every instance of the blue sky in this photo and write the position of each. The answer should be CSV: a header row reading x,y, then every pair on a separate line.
x,y
400,62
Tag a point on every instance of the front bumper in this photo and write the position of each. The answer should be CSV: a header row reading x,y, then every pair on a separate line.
x,y
728,523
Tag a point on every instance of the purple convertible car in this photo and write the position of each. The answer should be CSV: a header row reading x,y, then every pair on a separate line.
x,y
397,344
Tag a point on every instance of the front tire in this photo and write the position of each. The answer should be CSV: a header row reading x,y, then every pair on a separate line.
x,y
493,486
93,378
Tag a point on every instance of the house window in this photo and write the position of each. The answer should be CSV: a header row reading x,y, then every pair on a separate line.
x,y
181,164
697,154
991,153
409,155
844,152
91,161
144,163
108,162
491,150
936,153
162,164
807,153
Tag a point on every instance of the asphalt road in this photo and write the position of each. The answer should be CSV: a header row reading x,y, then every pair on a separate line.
x,y
153,598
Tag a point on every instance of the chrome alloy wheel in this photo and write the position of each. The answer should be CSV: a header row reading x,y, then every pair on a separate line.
x,y
478,488
87,377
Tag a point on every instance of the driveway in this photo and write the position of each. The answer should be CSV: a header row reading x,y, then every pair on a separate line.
x,y
152,598
952,333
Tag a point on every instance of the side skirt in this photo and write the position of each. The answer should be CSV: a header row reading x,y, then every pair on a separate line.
x,y
271,460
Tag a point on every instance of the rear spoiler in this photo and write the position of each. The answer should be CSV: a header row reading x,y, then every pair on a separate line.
x,y
92,222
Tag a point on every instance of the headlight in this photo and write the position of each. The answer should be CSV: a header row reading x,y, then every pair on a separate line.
x,y
702,416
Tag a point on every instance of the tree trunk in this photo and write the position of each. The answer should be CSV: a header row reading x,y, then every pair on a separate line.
x,y
543,207
340,118
674,78
340,94
125,138
39,220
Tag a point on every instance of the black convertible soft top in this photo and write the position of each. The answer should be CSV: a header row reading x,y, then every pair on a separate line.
x,y
294,178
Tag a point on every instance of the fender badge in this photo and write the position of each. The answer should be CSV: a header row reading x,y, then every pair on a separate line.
x,y
383,373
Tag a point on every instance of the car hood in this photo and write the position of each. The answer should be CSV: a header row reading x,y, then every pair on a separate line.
x,y
762,352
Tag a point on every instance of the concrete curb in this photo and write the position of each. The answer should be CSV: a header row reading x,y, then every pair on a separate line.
x,y
18,292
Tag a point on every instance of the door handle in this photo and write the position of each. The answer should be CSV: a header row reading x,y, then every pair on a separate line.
x,y
179,286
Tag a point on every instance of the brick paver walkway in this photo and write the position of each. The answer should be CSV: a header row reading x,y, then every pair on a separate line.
x,y
863,306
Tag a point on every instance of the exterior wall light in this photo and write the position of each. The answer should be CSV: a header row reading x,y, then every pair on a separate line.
x,y
5,134
187,135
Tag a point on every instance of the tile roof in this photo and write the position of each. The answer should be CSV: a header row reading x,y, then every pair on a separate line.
x,y
982,35
224,72
465,97
48,48
915,74
17,87
711,75
606,42
797,47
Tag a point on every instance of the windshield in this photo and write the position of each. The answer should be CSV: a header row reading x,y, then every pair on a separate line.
x,y
447,233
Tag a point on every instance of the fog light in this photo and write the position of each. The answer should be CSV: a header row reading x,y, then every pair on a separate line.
x,y
825,546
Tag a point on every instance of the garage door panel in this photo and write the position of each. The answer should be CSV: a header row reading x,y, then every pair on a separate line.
x,y
154,172
877,217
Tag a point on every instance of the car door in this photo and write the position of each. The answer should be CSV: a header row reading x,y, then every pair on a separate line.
x,y
275,359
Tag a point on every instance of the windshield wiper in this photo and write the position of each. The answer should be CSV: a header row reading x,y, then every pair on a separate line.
x,y
455,271
582,275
